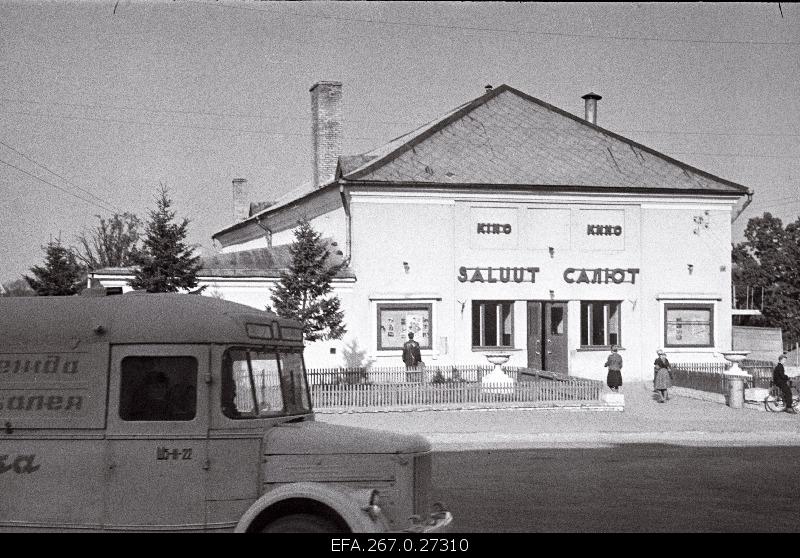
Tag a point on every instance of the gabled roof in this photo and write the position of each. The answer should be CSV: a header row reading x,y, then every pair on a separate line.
x,y
506,137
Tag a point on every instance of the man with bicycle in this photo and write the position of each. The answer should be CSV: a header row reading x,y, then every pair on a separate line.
x,y
780,379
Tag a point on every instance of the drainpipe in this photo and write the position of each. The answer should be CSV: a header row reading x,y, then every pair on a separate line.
x,y
346,206
268,231
744,206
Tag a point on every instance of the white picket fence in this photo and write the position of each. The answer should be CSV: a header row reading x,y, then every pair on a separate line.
x,y
437,386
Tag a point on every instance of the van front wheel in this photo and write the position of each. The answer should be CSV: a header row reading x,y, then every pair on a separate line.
x,y
301,523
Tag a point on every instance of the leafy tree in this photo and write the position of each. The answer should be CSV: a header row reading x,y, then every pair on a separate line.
x,y
18,287
770,258
165,264
61,274
112,243
303,290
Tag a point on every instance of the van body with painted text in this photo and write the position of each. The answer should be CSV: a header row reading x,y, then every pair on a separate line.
x,y
178,412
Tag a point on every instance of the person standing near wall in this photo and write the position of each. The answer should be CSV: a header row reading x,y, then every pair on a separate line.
x,y
614,365
411,356
662,376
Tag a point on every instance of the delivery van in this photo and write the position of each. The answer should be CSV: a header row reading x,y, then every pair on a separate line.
x,y
179,412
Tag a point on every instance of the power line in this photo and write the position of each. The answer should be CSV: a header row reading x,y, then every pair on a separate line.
x,y
736,155
180,111
59,176
56,187
506,30
304,119
172,125
671,132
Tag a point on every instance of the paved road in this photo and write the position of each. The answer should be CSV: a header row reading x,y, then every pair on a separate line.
x,y
686,465
624,488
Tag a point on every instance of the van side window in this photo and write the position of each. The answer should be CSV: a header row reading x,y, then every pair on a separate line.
x,y
158,388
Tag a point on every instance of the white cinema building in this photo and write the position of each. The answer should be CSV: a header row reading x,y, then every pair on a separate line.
x,y
505,224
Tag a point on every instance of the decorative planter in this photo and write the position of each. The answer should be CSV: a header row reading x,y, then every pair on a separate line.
x,y
497,381
735,357
736,377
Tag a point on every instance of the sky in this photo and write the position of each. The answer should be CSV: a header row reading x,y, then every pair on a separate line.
x,y
100,102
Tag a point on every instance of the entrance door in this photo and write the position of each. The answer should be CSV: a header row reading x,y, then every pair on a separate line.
x,y
547,336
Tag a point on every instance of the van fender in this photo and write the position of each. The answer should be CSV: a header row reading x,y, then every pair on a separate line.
x,y
355,506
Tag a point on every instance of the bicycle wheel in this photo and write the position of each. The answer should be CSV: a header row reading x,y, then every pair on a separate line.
x,y
795,399
774,401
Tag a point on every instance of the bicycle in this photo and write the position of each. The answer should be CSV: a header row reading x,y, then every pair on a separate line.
x,y
774,401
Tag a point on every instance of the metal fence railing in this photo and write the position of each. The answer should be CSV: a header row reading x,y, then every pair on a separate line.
x,y
442,385
710,377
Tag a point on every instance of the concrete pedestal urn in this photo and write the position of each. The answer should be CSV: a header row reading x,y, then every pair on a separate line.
x,y
497,381
736,378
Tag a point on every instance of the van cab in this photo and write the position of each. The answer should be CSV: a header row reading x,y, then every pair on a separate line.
x,y
177,412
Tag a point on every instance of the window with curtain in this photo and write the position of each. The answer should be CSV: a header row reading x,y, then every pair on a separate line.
x,y
492,323
600,323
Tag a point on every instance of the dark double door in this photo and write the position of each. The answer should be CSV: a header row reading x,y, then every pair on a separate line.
x,y
547,336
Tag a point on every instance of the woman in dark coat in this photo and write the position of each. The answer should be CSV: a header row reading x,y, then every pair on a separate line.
x,y
614,364
662,379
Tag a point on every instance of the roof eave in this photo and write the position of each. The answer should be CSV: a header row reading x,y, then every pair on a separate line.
x,y
256,218
566,188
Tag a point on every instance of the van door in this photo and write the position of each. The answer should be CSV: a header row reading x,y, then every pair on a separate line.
x,y
157,432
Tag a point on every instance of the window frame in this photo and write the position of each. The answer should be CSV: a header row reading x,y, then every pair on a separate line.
x,y
606,303
289,389
709,306
482,326
426,306
125,412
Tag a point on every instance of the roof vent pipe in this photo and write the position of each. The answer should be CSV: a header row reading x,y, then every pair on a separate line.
x,y
591,107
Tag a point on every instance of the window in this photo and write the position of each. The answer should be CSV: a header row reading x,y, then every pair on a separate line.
x,y
158,388
689,325
257,383
492,323
396,321
600,324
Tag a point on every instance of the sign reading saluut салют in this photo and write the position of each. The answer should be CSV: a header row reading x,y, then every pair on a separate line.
x,y
508,274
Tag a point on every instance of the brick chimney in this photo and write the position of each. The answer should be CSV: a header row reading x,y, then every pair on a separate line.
x,y
241,200
326,129
591,106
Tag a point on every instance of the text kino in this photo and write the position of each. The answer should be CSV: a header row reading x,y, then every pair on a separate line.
x,y
495,274
601,275
603,230
494,228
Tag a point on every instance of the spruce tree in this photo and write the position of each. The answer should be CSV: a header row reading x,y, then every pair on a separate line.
x,y
303,291
61,274
165,263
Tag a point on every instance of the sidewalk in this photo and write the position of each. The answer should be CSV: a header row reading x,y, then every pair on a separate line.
x,y
682,421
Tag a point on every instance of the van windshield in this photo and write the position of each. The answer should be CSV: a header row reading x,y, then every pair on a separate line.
x,y
259,383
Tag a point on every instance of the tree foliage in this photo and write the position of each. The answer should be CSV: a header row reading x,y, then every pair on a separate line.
x,y
165,263
61,273
303,291
18,287
112,243
770,258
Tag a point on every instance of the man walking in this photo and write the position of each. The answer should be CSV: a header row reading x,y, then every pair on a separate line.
x,y
780,379
411,356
